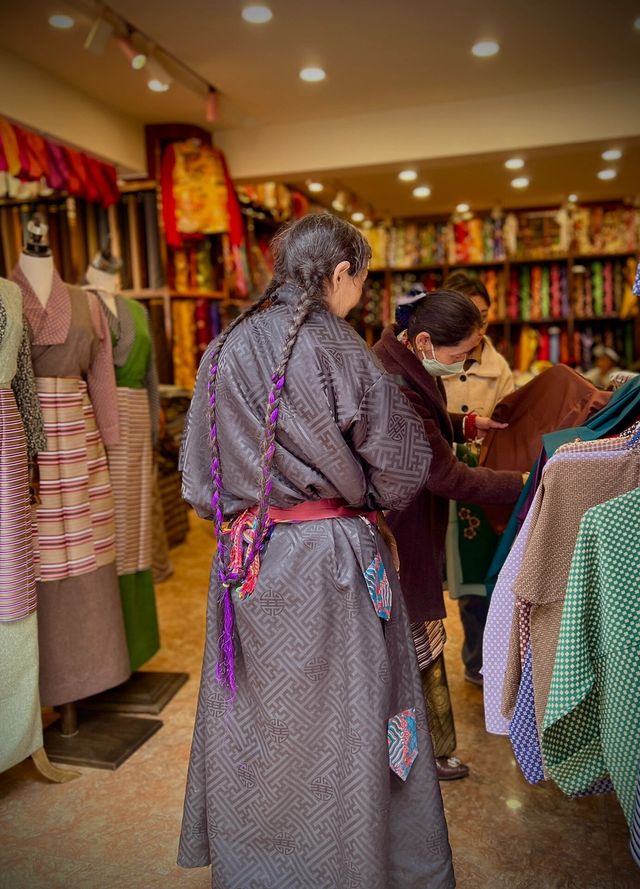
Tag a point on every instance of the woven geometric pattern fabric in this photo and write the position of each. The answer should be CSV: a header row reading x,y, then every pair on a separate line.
x,y
592,721
289,785
523,731
635,827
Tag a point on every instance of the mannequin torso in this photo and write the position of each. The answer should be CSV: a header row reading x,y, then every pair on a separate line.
x,y
38,270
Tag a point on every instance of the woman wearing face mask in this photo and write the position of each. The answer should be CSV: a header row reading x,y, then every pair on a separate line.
x,y
434,335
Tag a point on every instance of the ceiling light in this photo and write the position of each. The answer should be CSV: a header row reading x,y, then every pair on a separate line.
x,y
315,187
158,86
422,191
573,198
463,208
257,15
312,75
485,48
137,59
357,216
62,22
407,176
520,182
514,163
636,24
607,174
158,80
612,154
99,36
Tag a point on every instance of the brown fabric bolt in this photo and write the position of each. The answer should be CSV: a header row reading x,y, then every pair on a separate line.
x,y
557,399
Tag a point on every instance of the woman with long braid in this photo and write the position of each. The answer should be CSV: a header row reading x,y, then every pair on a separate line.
x,y
311,764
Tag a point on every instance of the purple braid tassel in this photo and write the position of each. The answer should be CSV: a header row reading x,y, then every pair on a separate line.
x,y
225,668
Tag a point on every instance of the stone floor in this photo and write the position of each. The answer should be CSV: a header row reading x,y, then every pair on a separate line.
x,y
118,830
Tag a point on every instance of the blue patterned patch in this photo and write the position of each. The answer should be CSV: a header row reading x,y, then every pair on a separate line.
x,y
379,587
402,735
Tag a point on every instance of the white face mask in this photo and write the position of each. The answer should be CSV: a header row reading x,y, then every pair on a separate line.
x,y
438,369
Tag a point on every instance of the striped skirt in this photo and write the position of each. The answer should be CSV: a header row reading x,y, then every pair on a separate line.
x,y
74,522
131,468
17,574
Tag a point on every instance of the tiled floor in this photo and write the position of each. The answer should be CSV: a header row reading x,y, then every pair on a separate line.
x,y
118,830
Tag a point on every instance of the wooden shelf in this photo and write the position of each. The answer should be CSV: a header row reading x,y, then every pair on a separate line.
x,y
198,294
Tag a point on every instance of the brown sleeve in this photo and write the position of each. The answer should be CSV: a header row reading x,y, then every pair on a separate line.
x,y
455,480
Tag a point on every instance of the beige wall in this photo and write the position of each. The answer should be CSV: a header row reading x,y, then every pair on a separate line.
x,y
499,124
34,98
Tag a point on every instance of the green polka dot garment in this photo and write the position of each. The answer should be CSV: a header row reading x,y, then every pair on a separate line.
x,y
591,725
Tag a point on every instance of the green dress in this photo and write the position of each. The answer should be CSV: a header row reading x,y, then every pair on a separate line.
x,y
591,726
131,468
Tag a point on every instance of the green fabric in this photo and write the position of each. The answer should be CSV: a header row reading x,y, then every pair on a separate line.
x,y
591,726
133,372
471,542
140,616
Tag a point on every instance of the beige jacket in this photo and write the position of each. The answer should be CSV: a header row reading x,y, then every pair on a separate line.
x,y
482,385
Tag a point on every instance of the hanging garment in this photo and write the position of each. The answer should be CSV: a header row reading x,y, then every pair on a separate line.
x,y
591,726
82,643
131,469
635,827
300,785
21,437
571,484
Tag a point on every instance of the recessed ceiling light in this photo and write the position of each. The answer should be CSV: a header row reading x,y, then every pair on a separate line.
x,y
357,216
520,182
315,187
514,163
612,154
572,198
157,86
257,15
312,75
463,208
407,176
62,22
607,174
484,49
422,191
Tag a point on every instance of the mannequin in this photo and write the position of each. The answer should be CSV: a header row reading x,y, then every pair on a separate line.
x,y
36,260
131,461
103,277
21,437
81,636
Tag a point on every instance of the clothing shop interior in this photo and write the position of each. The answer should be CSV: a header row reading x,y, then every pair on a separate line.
x,y
314,316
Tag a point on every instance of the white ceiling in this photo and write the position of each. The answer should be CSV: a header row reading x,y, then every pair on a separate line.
x,y
379,56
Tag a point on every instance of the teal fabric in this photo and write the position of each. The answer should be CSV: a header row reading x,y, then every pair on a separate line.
x,y
621,411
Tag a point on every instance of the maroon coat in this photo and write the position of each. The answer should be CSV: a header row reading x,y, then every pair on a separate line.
x,y
421,528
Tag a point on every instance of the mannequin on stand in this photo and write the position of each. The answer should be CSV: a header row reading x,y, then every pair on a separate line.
x,y
131,460
21,437
82,642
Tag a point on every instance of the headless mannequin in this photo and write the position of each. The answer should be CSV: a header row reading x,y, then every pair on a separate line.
x,y
36,261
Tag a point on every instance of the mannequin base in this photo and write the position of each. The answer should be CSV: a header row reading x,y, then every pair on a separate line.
x,y
144,692
102,741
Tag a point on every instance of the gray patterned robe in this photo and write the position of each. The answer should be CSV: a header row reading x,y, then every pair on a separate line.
x,y
290,786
